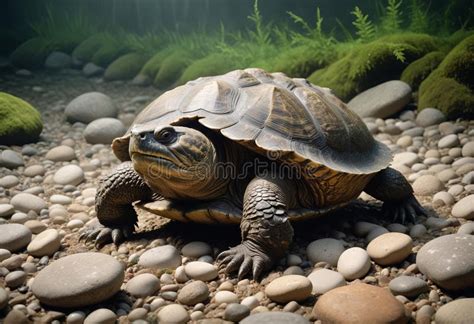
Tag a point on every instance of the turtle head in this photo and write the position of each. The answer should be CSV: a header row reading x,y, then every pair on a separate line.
x,y
174,161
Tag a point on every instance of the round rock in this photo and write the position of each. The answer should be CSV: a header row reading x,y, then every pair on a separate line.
x,y
196,249
390,248
427,185
274,318
69,175
354,263
173,313
448,141
464,208
25,202
236,312
161,257
61,153
6,210
468,149
429,117
90,106
14,237
458,311
200,271
449,261
327,250
143,285
324,280
288,288
45,243
9,181
193,293
225,296
104,130
102,316
78,280
3,298
359,303
408,286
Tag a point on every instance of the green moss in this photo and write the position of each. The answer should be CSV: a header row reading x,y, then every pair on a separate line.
x,y
32,53
86,50
365,66
423,42
299,61
213,64
171,68
110,50
125,67
152,66
20,123
419,70
450,87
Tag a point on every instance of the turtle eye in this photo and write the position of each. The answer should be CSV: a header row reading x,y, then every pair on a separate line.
x,y
166,136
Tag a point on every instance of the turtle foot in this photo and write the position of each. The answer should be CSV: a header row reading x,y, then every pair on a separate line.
x,y
246,258
103,235
403,211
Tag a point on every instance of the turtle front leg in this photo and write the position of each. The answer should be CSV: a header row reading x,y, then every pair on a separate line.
x,y
265,228
391,187
114,208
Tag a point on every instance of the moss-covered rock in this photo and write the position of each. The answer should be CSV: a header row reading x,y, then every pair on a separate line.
x,y
20,123
299,62
423,42
450,87
213,64
109,51
86,50
153,65
125,67
32,53
419,70
171,68
367,65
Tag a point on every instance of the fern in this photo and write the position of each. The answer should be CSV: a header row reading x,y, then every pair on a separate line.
x,y
261,34
399,53
364,27
419,20
392,20
313,32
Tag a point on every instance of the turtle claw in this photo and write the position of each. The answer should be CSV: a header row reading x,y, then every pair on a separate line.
x,y
101,235
404,211
244,259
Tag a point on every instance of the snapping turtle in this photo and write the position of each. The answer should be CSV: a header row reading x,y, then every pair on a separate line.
x,y
252,148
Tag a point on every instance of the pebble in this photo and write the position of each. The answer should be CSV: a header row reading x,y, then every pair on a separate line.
x,y
69,175
376,232
102,316
76,317
16,317
45,243
25,202
90,278
9,181
90,70
406,158
274,318
429,117
193,293
324,280
103,130
236,312
390,248
143,285
448,261
448,141
10,159
4,254
137,314
6,210
288,288
34,170
464,208
327,250
458,311
161,257
35,226
173,313
359,303
201,271
427,185
468,149
15,279
225,296
354,263
14,237
61,153
180,275
467,228
196,249
442,198
408,286
3,298
250,301
90,106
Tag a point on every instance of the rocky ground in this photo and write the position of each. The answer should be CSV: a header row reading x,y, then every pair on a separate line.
x,y
353,265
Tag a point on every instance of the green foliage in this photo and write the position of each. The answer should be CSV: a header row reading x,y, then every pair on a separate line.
x,y
110,50
450,87
364,27
172,67
392,19
298,61
419,21
214,64
147,44
86,50
20,123
153,65
419,70
32,53
262,33
125,67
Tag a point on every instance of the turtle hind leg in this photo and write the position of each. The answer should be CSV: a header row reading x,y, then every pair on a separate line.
x,y
265,228
114,208
391,187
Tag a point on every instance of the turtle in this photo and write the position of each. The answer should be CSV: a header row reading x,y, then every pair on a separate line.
x,y
252,148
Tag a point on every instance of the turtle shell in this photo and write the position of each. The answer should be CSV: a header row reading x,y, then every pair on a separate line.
x,y
289,119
